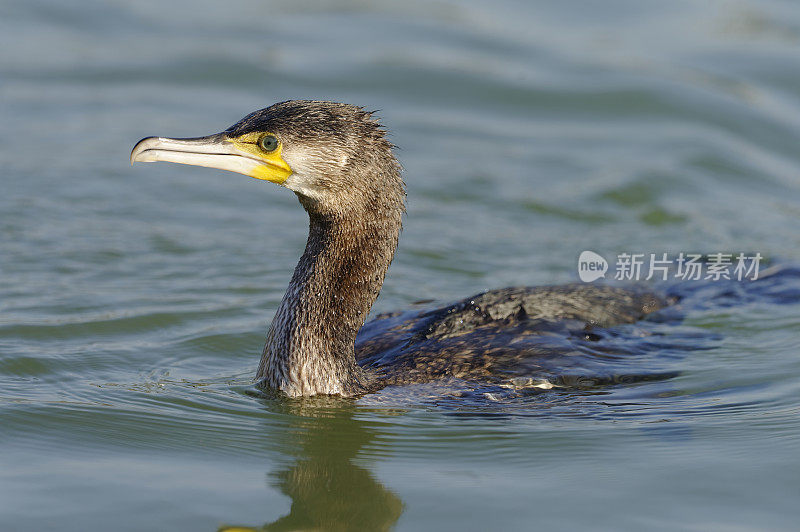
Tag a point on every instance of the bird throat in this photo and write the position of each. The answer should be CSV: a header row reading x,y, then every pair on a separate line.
x,y
310,344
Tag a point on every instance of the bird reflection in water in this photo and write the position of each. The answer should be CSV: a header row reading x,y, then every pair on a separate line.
x,y
328,490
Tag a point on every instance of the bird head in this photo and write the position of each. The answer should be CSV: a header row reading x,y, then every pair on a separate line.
x,y
332,155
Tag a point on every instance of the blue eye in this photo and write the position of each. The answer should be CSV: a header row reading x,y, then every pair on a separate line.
x,y
268,143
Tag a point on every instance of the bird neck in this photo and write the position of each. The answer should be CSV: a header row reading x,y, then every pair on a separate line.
x,y
310,345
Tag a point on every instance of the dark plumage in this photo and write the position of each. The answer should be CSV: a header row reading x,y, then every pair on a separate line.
x,y
347,179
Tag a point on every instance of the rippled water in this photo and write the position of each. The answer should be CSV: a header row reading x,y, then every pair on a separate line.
x,y
133,301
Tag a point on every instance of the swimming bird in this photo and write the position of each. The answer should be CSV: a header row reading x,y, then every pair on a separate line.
x,y
336,158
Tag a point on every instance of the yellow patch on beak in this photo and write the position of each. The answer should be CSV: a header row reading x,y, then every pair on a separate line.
x,y
274,169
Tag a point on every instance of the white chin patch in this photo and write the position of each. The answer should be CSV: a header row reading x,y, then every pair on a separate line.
x,y
301,185
301,180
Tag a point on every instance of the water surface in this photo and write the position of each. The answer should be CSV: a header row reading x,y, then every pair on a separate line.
x,y
134,301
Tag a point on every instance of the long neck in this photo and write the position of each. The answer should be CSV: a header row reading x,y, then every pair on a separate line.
x,y
310,345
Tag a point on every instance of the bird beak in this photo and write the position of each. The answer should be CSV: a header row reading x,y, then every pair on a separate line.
x,y
213,151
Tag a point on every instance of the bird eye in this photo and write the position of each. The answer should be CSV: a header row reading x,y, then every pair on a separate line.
x,y
268,143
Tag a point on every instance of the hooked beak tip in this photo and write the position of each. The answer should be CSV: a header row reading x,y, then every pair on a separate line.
x,y
141,147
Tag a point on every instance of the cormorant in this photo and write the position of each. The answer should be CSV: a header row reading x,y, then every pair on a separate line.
x,y
336,158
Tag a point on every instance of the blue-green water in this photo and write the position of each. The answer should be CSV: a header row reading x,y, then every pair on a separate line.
x,y
133,301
